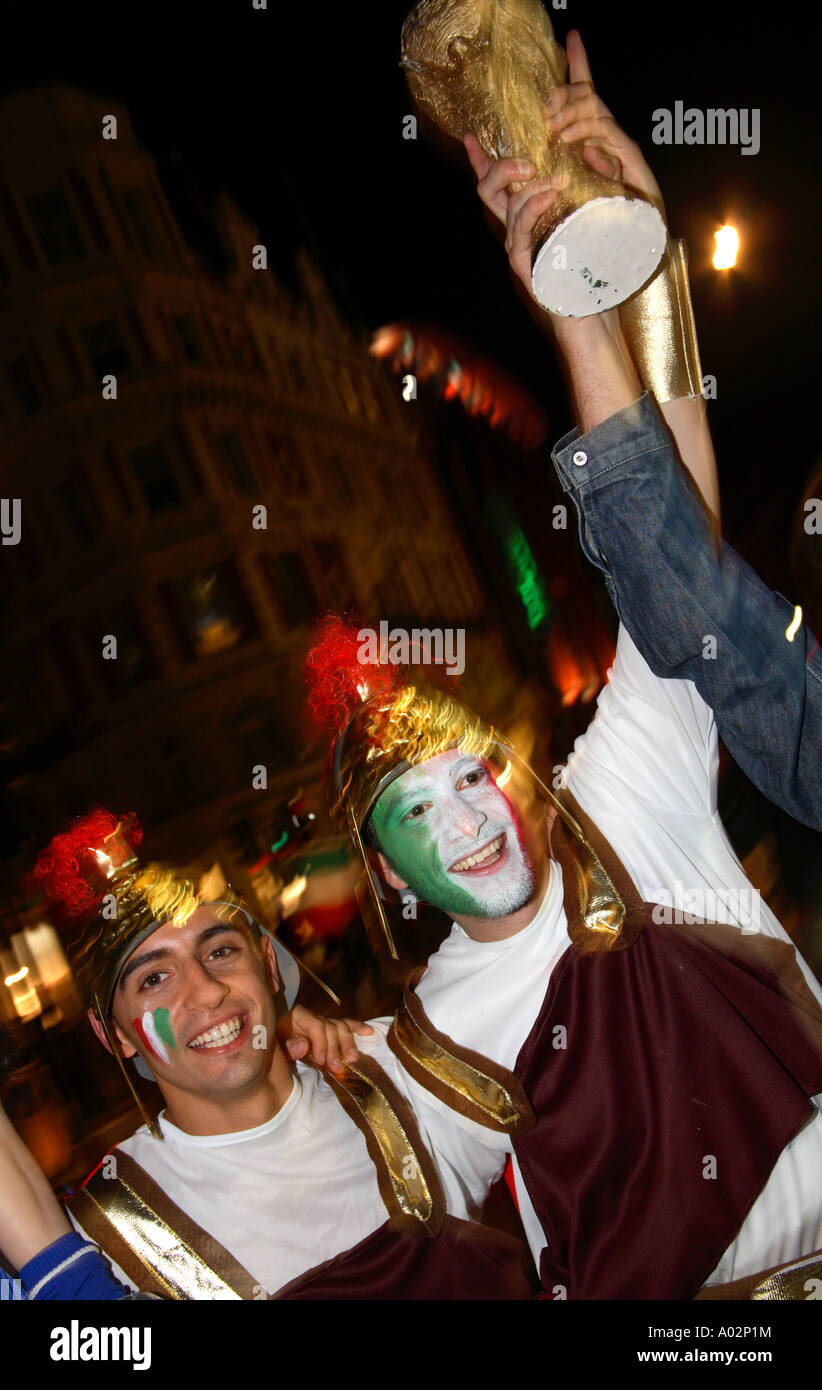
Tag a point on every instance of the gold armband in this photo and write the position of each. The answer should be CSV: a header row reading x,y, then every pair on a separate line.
x,y
658,326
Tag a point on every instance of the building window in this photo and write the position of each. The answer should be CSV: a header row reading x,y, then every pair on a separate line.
x,y
343,487
66,344
80,189
178,773
115,472
189,339
392,596
157,478
62,647
372,405
53,221
77,507
134,663
163,214
105,183
138,333
335,575
299,381
348,392
236,466
211,611
289,469
106,348
258,734
150,239
20,236
291,587
24,385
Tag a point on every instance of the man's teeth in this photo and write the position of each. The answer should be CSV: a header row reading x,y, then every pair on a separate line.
x,y
473,859
219,1036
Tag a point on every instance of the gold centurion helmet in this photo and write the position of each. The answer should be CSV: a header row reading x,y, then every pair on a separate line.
x,y
92,874
383,725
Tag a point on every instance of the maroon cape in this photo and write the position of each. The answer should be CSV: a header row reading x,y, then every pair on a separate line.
x,y
689,1060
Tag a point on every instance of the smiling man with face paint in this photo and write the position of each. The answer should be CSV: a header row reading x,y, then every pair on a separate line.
x,y
261,1177
557,977
450,834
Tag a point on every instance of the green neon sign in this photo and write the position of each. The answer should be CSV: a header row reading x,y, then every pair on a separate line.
x,y
527,578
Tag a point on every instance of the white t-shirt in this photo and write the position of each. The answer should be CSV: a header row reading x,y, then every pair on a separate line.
x,y
300,1189
646,772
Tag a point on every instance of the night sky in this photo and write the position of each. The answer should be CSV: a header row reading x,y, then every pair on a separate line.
x,y
297,111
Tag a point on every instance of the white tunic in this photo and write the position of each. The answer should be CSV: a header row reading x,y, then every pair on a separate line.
x,y
646,772
300,1189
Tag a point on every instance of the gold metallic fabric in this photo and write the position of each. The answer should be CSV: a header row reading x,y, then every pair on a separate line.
x,y
789,1285
480,1090
405,1172
489,66
144,896
374,891
388,735
658,325
601,909
182,1272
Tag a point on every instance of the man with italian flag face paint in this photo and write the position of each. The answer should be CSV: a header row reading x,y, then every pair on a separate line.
x,y
448,832
605,960
264,1175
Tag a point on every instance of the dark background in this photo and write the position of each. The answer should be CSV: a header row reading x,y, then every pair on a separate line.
x,y
297,111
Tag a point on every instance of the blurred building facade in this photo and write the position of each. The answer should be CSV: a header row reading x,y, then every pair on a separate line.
x,y
204,461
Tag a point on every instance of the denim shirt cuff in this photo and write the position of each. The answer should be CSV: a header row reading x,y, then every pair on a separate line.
x,y
582,458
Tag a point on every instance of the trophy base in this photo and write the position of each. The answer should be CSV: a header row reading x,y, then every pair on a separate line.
x,y
601,254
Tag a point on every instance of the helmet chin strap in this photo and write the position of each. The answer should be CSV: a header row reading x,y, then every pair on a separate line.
x,y
114,1047
355,834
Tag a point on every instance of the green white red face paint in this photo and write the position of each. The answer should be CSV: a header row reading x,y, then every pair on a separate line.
x,y
154,1031
453,837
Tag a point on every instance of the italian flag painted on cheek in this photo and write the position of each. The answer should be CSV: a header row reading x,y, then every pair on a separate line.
x,y
154,1031
426,875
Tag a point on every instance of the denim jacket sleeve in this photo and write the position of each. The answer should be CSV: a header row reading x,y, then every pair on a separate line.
x,y
695,615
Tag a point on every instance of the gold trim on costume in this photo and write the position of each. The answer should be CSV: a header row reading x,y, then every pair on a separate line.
x,y
498,1109
789,1285
601,909
403,1165
172,1262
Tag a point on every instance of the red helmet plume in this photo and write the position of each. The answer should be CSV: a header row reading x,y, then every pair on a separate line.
x,y
69,869
339,679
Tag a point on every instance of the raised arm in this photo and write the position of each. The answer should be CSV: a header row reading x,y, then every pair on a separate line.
x,y
697,615
695,611
30,1215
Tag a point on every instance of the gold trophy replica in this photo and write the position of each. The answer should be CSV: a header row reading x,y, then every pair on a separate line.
x,y
489,66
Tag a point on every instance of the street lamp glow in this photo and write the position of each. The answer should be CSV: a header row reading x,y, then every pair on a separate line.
x,y
727,245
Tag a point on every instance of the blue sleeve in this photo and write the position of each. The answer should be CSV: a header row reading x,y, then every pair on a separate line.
x,y
70,1268
643,523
